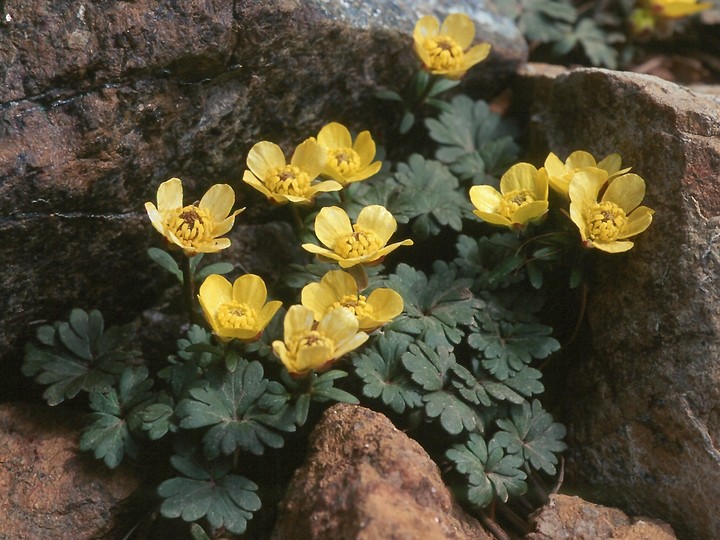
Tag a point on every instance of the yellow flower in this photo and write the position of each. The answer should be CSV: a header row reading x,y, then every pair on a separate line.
x,y
236,311
560,174
608,222
347,162
196,227
522,197
339,289
281,182
362,243
313,347
675,9
443,50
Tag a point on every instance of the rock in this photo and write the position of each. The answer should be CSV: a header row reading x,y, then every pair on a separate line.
x,y
365,480
570,518
49,491
102,101
644,433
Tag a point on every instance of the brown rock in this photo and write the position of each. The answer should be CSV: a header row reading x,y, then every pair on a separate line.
x,y
365,480
571,518
102,101
642,406
49,491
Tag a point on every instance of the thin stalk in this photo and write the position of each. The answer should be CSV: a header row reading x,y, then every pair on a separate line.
x,y
491,525
299,224
189,290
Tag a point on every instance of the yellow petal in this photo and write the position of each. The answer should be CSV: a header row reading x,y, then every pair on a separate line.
x,y
378,219
350,343
390,247
250,289
530,212
226,224
477,54
460,27
312,358
311,157
334,135
155,217
638,221
218,200
215,245
585,186
264,157
317,298
243,334
386,303
338,325
317,250
541,184
265,315
170,195
495,219
323,187
485,198
365,148
627,191
298,320
339,283
214,292
332,223
365,173
611,163
580,159
613,247
577,215
554,166
250,179
427,26
519,176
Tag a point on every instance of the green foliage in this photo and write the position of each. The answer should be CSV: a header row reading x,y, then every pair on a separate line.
x,y
166,261
435,307
531,434
421,192
237,408
540,20
476,143
491,472
209,491
78,355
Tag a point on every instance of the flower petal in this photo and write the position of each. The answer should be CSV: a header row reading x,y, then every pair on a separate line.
x,y
310,358
611,163
334,135
585,186
627,191
250,289
613,247
579,159
331,224
378,219
638,221
365,173
427,26
323,187
311,157
530,212
226,224
365,148
386,303
493,218
264,157
170,195
338,325
477,54
460,27
554,166
218,200
298,320
268,311
252,180
214,292
519,176
155,217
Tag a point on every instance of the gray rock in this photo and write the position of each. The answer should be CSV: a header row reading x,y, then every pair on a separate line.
x,y
644,432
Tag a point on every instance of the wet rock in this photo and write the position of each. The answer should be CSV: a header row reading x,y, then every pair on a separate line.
x,y
102,101
571,518
49,491
642,404
364,479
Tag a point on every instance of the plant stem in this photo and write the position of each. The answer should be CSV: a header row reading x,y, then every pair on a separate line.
x,y
299,225
189,289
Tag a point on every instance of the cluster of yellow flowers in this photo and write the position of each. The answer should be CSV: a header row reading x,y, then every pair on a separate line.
x,y
653,13
334,316
604,199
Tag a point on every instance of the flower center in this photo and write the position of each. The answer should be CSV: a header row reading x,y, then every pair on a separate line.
x,y
236,315
444,53
346,161
191,224
358,244
288,180
606,221
514,200
314,339
357,304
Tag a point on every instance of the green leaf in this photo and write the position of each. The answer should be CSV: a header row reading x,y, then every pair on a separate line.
x,y
435,308
225,500
407,122
380,368
531,433
491,473
165,260
388,95
594,42
215,268
157,420
484,260
486,390
198,533
230,405
108,437
441,85
78,355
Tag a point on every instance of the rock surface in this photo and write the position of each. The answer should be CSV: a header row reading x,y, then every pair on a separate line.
x,y
49,491
102,101
570,518
642,406
365,480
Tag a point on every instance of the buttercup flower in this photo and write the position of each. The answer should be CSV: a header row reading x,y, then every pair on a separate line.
x,y
444,50
313,347
560,174
282,182
522,197
362,243
339,289
607,223
196,227
236,311
675,9
347,162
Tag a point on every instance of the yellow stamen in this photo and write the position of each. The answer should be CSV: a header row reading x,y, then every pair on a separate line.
x,y
345,161
357,304
191,224
606,221
358,244
445,53
288,180
513,200
236,315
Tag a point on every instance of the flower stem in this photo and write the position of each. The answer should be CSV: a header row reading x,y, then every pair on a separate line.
x,y
189,289
299,225
360,276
